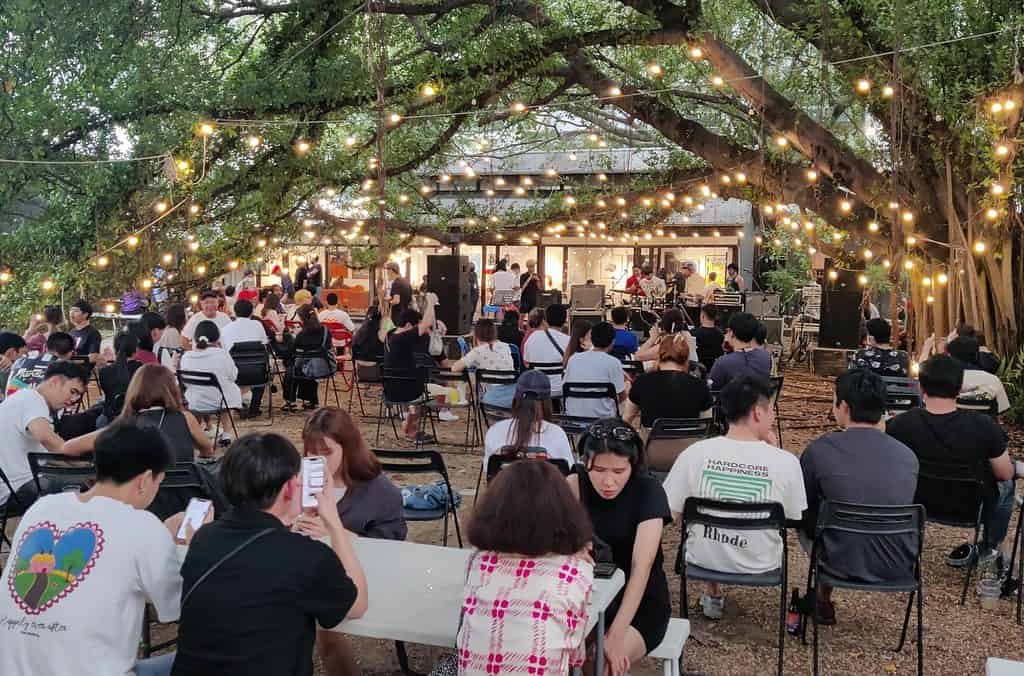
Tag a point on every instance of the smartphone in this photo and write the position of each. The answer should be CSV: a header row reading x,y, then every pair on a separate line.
x,y
604,569
314,474
195,514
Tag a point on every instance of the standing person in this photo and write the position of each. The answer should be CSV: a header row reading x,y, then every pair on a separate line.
x,y
600,367
87,339
301,276
859,464
474,287
506,534
709,337
734,282
170,346
287,285
626,343
669,391
86,564
210,357
502,279
209,301
315,277
694,282
628,509
746,357
400,293
748,457
652,287
407,346
880,356
529,282
633,282
256,612
711,287
547,345
529,425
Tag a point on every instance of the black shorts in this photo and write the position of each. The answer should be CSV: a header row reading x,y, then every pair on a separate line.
x,y
650,620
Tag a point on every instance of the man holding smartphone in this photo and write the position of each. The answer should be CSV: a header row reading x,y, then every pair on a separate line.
x,y
254,590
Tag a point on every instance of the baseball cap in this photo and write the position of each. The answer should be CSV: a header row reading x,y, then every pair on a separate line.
x,y
533,384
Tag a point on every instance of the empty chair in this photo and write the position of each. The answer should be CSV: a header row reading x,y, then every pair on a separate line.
x,y
671,436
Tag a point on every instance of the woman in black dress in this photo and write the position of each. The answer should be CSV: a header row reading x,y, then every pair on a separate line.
x,y
628,508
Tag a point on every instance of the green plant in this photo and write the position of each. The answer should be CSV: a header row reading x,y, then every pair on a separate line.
x,y
1011,372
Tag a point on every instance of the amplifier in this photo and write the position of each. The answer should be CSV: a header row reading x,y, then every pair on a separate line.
x,y
761,304
774,326
550,297
586,316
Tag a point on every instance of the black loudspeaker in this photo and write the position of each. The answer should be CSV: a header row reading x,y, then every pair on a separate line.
x,y
585,316
448,277
840,310
549,297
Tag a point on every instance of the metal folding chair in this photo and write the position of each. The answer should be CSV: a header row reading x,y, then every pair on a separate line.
x,y
423,461
901,394
254,369
303,354
391,408
500,460
13,506
450,379
987,405
776,383
59,472
669,437
590,392
204,379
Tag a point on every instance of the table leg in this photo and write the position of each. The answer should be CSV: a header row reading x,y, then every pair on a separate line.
x,y
599,646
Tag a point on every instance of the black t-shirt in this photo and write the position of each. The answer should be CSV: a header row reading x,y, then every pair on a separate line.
x,y
528,298
669,394
961,437
315,275
709,344
616,522
510,333
401,358
401,288
114,380
257,612
87,340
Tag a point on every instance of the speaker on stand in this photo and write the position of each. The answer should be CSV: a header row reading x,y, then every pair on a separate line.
x,y
448,277
840,310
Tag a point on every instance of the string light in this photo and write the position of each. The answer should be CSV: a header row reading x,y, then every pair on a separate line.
x,y
868,254
109,308
132,240
206,128
147,283
48,284
911,240
233,265
781,141
888,91
253,141
929,299
887,263
812,175
614,91
873,226
184,166
261,243
845,206
862,280
160,207
979,247
167,258
428,91
1002,150
302,146
696,53
194,298
194,208
991,214
833,275
394,118
998,189
519,107
908,264
5,276
655,69
926,281
102,261
717,81
943,278
741,177
194,246
908,216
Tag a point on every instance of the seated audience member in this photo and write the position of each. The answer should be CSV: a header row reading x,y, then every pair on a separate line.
x,y
26,425
628,510
669,391
509,331
747,455
209,357
940,432
368,341
209,302
256,612
986,360
547,344
626,343
709,337
671,323
860,464
503,530
244,329
299,379
492,355
879,355
40,328
534,320
333,313
978,383
29,370
12,347
303,297
114,378
272,313
369,504
118,557
596,366
169,347
528,428
86,338
408,348
151,327
579,340
746,357
153,398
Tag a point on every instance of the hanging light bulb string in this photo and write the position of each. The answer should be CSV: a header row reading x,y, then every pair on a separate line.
x,y
56,163
124,240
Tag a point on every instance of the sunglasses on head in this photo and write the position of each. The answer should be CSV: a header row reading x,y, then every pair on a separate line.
x,y
619,433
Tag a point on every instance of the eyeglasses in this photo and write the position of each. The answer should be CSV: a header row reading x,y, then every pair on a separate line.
x,y
619,433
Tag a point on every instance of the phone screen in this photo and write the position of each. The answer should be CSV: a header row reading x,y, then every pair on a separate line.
x,y
195,513
313,478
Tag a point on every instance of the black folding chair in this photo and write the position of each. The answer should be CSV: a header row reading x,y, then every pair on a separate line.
x,y
500,460
589,392
423,461
987,405
58,472
1017,556
451,379
573,425
364,374
633,368
484,378
776,384
254,371
391,407
851,527
13,506
669,437
744,516
901,394
188,379
959,495
302,355
551,370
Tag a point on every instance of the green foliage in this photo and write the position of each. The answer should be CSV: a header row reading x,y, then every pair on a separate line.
x,y
1011,372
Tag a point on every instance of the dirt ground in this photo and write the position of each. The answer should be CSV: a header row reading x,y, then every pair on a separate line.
x,y
957,638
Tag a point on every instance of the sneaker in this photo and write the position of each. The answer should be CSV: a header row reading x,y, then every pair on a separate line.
x,y
713,607
962,555
825,612
446,415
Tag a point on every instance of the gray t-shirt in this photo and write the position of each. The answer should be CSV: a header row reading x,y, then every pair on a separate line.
x,y
866,466
735,364
594,366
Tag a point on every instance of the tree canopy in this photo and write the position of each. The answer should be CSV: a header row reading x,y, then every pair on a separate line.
x,y
835,110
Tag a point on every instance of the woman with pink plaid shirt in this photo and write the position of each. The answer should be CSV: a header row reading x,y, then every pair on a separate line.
x,y
527,589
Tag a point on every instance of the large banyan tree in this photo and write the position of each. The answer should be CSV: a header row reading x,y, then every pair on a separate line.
x,y
896,123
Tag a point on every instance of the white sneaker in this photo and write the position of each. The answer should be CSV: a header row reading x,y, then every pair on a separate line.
x,y
446,415
713,607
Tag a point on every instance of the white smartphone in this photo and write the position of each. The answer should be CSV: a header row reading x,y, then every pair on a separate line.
x,y
314,474
195,514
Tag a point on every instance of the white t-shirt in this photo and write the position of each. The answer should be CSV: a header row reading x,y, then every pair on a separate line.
x,y
551,438
494,357
189,330
242,330
504,280
16,412
539,350
594,366
74,588
740,471
983,384
218,362
338,316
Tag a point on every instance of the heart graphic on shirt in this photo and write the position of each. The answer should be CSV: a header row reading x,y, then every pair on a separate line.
x,y
51,563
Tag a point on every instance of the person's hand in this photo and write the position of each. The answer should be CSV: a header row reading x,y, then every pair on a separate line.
x,y
310,524
328,511
615,653
5,363
33,323
173,523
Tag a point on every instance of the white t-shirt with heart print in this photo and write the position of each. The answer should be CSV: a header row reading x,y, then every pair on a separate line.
x,y
74,588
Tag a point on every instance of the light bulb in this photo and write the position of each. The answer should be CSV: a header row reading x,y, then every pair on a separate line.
x,y
1002,150
602,177
102,261
741,177
206,128
132,240
194,208
873,226
717,81
194,246
614,91
991,214
1009,104
351,141
696,52
261,243
887,263
868,254
863,85
908,216
894,205
979,247
911,240
519,107
232,265
394,118
998,189
781,141
655,69
908,264
942,278
5,276
812,175
888,91
862,280
194,298
845,206
254,141
833,275
160,207
109,308
147,283
428,91
183,166
996,107
167,258
48,285
302,147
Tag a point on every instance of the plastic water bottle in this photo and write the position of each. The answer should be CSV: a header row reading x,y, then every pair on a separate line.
x,y
989,585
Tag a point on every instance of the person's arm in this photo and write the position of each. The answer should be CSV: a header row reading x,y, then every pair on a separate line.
x,y
199,438
645,549
1002,467
341,543
41,430
631,414
427,323
458,366
82,444
716,375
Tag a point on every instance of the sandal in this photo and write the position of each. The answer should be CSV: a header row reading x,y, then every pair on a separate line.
x,y
289,407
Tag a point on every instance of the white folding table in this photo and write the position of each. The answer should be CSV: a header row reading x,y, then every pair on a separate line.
x,y
996,666
416,594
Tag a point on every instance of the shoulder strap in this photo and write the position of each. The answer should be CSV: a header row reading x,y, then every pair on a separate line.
x,y
561,352
221,561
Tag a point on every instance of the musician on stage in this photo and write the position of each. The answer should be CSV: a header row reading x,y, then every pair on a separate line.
x,y
711,288
694,282
529,282
734,282
651,286
633,283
